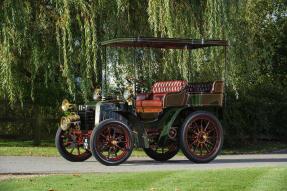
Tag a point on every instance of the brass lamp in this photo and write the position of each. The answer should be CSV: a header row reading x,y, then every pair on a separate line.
x,y
66,105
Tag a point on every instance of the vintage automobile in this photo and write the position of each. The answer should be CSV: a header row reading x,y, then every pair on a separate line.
x,y
174,115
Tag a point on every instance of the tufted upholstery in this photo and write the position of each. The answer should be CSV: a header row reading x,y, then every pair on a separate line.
x,y
204,87
155,101
168,86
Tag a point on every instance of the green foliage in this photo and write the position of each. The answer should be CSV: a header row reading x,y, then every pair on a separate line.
x,y
256,84
258,113
46,44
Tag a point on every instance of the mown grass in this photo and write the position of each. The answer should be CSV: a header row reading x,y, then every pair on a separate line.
x,y
47,148
269,178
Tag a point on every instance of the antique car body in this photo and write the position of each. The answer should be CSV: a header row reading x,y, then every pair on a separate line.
x,y
174,115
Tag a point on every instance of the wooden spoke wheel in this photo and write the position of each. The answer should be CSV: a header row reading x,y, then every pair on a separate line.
x,y
70,145
201,137
162,153
112,142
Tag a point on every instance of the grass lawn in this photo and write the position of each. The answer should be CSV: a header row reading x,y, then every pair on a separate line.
x,y
47,148
269,178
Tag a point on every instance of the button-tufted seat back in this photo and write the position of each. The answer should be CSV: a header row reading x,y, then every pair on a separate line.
x,y
204,87
155,101
168,86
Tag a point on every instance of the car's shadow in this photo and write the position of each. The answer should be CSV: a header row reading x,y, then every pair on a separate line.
x,y
216,161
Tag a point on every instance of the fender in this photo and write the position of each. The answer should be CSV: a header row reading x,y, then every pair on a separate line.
x,y
168,120
165,121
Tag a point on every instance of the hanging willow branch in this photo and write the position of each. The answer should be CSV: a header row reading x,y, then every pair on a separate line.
x,y
47,45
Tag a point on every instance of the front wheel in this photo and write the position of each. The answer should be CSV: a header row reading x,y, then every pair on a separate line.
x,y
112,142
70,145
201,137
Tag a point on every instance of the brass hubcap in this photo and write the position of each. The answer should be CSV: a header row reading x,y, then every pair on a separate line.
x,y
114,142
202,137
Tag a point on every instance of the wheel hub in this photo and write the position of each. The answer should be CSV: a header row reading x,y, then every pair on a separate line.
x,y
114,142
202,137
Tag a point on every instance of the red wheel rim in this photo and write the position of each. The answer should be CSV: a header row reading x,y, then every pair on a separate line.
x,y
72,143
202,137
112,142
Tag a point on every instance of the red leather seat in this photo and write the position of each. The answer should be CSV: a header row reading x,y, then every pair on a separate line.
x,y
149,103
154,102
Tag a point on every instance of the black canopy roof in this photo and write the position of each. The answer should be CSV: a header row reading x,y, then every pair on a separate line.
x,y
169,43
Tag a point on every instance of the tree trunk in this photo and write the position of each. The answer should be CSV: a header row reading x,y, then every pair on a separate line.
x,y
36,124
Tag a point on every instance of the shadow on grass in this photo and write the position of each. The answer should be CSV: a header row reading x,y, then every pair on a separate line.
x,y
137,162
217,161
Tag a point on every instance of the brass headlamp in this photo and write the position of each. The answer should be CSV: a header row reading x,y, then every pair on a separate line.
x,y
97,94
66,105
67,121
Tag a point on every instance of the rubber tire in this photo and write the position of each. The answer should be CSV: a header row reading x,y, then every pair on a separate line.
x,y
183,146
63,152
160,157
93,142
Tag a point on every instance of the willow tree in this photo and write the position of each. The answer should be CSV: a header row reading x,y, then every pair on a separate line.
x,y
80,29
40,57
50,49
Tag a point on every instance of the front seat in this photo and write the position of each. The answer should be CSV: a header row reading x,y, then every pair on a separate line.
x,y
164,94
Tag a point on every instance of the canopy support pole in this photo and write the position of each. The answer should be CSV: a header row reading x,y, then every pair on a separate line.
x,y
149,74
104,69
189,65
182,64
135,70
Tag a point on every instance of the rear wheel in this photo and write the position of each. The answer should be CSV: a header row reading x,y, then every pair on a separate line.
x,y
163,153
70,145
112,142
201,137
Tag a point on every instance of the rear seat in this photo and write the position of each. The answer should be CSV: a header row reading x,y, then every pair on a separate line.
x,y
205,87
